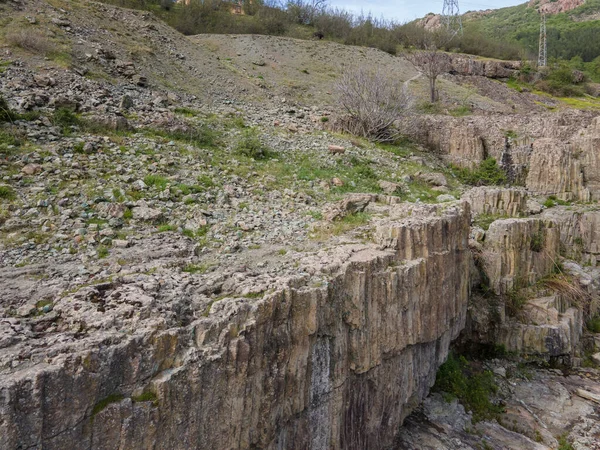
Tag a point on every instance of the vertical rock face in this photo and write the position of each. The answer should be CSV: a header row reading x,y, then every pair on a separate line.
x,y
497,201
549,326
555,170
518,313
579,232
334,366
465,148
518,252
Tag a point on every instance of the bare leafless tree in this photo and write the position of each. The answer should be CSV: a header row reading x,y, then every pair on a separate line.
x,y
429,60
372,101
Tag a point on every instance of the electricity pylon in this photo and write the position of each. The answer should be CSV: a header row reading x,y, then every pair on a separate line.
x,y
451,17
543,55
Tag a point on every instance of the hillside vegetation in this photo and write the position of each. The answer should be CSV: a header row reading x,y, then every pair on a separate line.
x,y
570,35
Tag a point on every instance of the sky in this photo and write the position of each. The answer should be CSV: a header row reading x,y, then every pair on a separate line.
x,y
407,10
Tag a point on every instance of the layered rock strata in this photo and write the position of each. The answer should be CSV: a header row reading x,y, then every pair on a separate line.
x,y
579,232
336,363
515,311
497,201
518,252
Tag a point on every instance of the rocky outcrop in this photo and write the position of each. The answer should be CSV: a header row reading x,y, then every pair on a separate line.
x,y
579,232
334,364
489,68
510,308
555,7
555,170
541,407
547,326
497,201
467,141
518,252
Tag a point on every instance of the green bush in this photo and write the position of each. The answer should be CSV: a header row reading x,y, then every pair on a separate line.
x,y
250,145
65,119
593,324
488,173
7,193
472,386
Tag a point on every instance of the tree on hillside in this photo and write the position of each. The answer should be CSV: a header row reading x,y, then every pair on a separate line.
x,y
430,60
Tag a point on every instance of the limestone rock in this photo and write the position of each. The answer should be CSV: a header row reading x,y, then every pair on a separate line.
x,y
579,232
519,252
351,204
390,188
497,201
554,170
307,367
143,212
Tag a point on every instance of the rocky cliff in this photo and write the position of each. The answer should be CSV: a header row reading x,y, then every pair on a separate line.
x,y
336,363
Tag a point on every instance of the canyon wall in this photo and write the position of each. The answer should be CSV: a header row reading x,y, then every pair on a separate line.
x,y
328,365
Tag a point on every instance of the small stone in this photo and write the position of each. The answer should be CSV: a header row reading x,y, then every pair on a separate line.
x,y
120,243
139,185
445,198
336,149
437,179
337,182
390,188
31,169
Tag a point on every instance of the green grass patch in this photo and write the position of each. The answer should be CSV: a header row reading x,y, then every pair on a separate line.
x,y
9,142
461,111
593,324
102,404
166,227
485,220
102,251
564,444
487,174
145,397
470,384
553,201
196,268
156,181
6,114
516,299
7,193
537,241
65,119
187,112
250,145
201,136
349,222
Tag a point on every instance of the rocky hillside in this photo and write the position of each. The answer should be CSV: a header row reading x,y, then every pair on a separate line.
x,y
191,258
550,7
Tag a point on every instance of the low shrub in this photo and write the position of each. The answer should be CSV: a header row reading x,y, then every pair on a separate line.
x,y
471,385
31,40
250,145
488,173
371,103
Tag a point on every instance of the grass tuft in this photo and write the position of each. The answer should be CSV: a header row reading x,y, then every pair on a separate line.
x,y
472,386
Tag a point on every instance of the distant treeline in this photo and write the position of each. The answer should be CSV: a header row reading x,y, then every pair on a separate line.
x,y
306,19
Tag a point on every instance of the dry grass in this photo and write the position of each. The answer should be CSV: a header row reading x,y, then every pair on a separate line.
x,y
31,40
570,289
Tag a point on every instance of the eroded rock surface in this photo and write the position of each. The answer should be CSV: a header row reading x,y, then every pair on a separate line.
x,y
328,361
